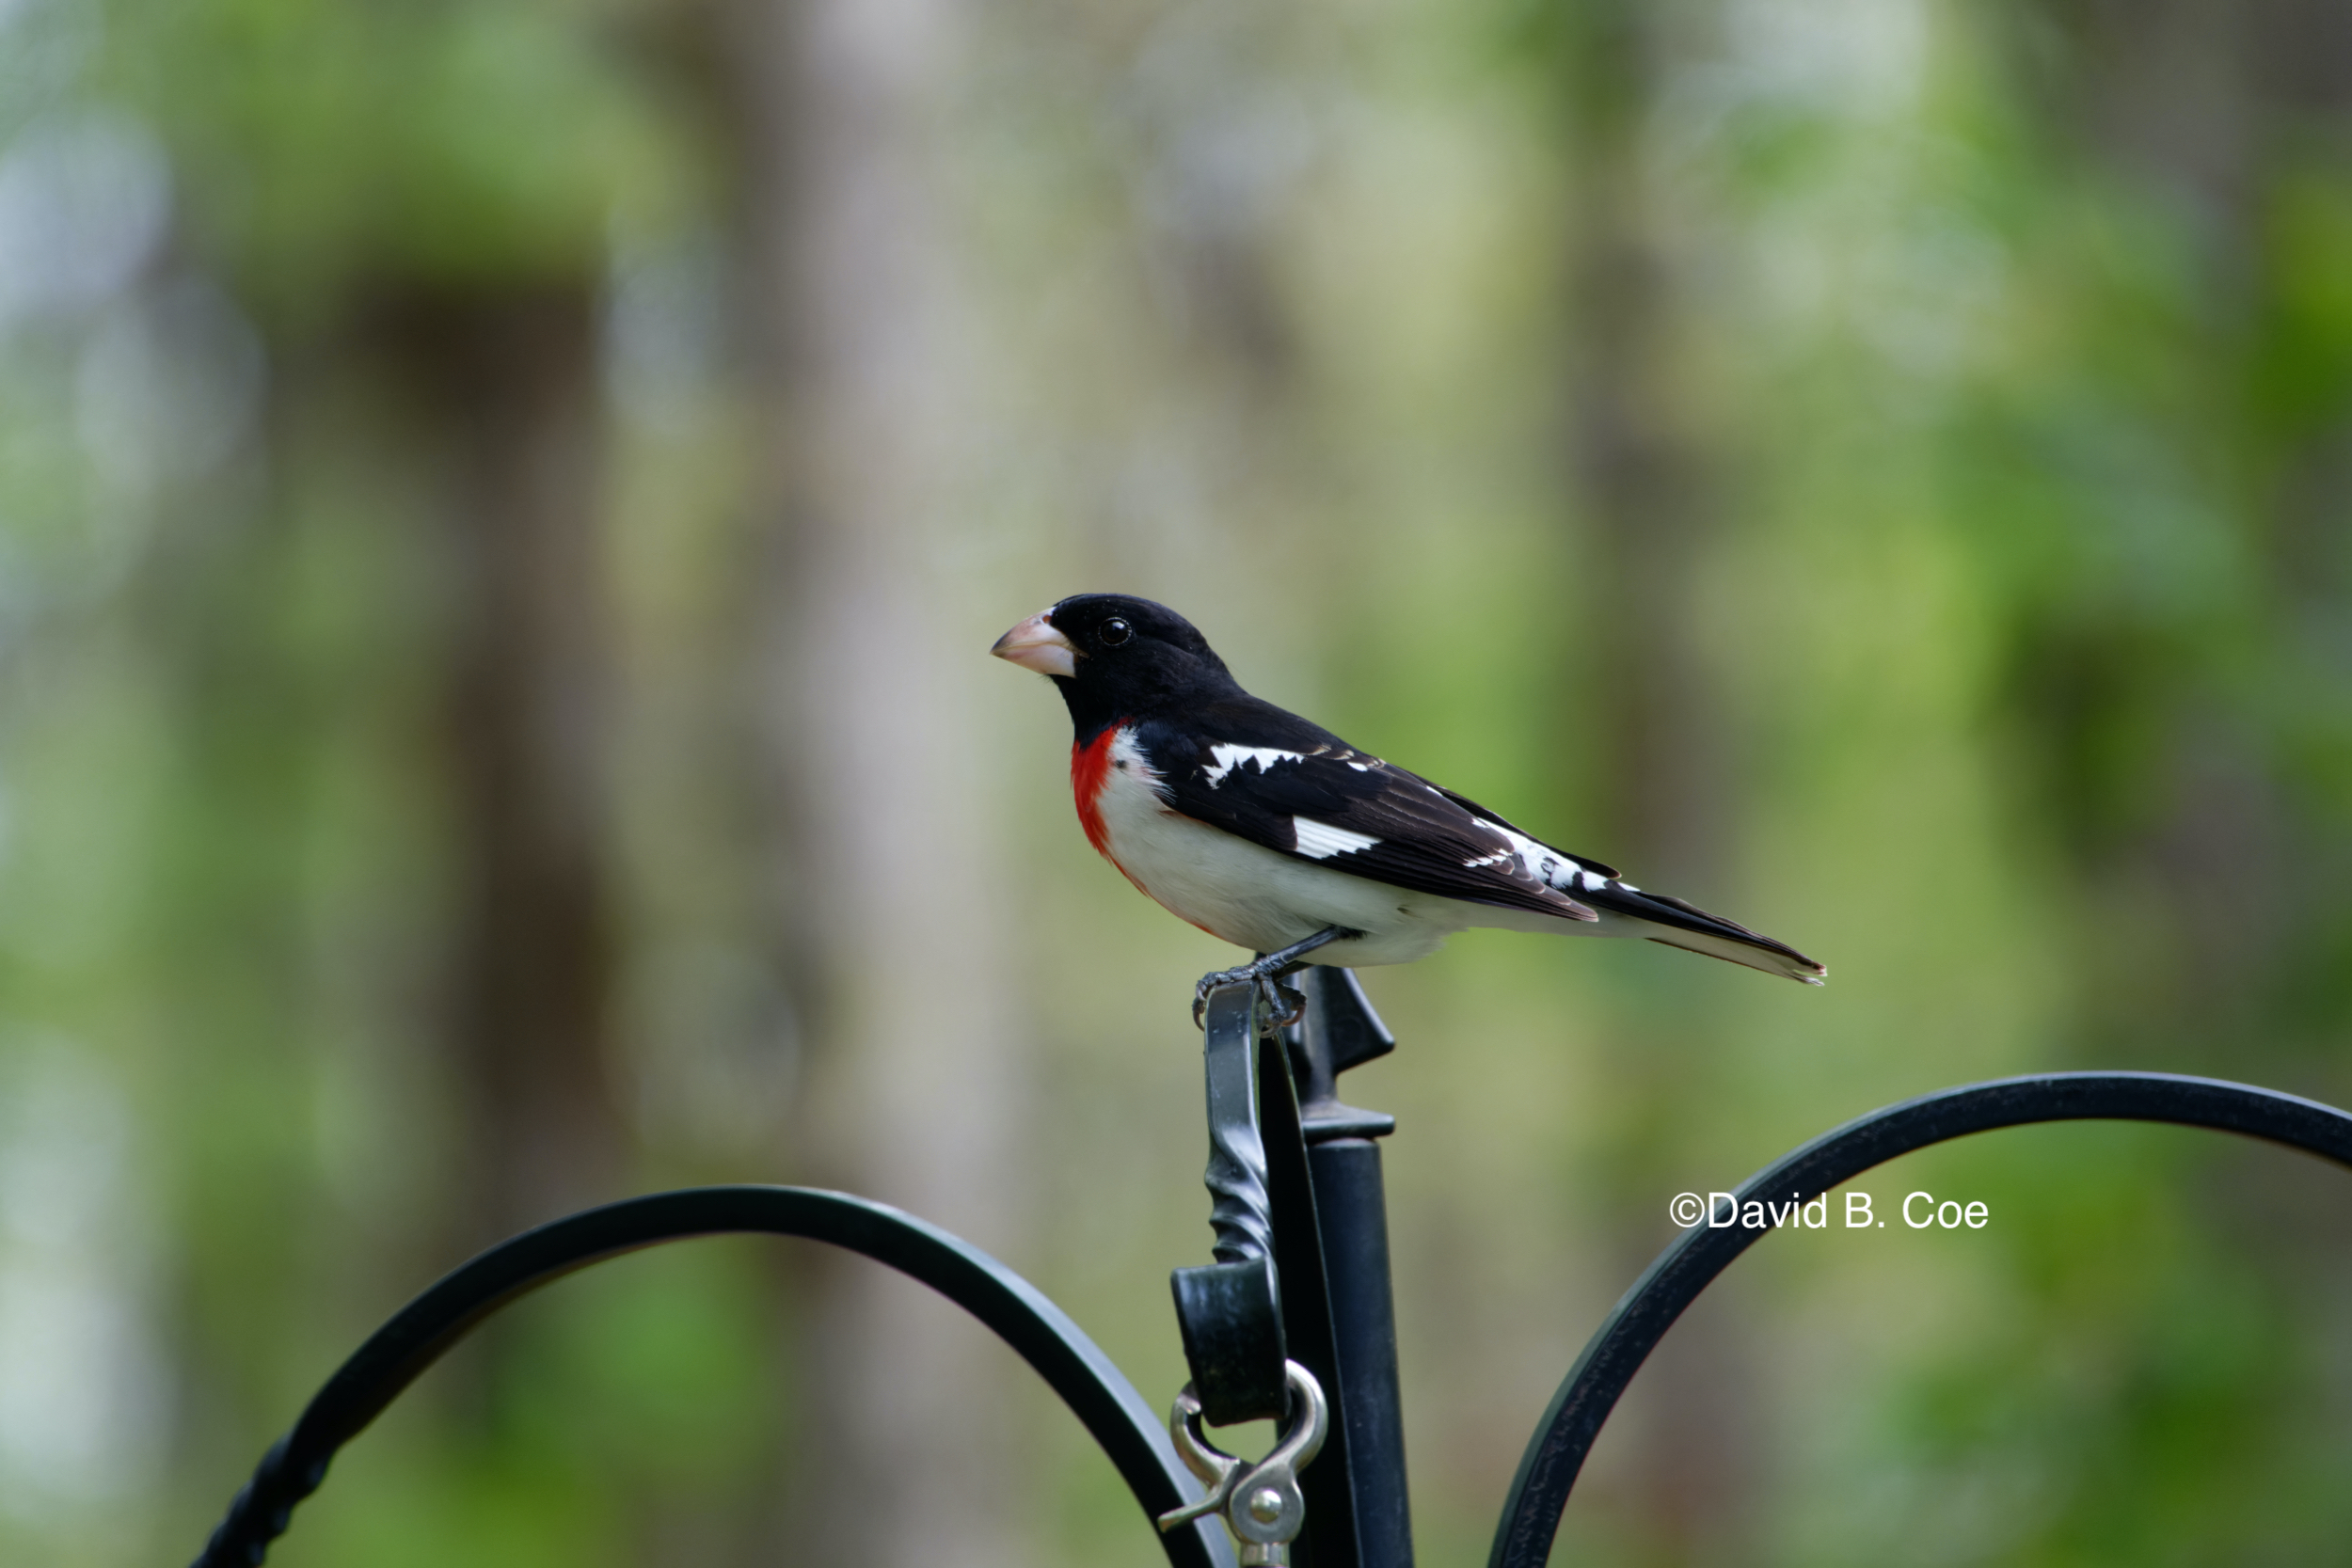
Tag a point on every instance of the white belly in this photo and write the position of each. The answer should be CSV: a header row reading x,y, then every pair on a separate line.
x,y
1255,898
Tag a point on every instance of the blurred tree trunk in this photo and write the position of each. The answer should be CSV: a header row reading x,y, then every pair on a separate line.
x,y
508,384
889,890
1663,794
503,413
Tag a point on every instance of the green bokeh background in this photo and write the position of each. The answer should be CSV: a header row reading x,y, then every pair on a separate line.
x,y
502,505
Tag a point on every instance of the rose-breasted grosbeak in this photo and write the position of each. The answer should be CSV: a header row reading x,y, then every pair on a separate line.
x,y
1274,834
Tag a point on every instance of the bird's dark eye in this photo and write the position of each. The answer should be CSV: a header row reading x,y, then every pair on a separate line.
x,y
1114,632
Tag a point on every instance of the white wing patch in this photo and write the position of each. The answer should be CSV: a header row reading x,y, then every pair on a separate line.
x,y
1546,864
1320,840
1227,758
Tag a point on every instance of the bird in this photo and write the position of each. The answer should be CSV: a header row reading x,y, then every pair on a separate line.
x,y
1268,831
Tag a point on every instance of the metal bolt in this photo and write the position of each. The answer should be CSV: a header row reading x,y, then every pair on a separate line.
x,y
1265,1505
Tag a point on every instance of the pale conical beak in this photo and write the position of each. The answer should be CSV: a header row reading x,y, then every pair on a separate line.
x,y
1034,644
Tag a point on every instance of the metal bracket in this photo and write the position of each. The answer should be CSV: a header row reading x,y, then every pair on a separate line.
x,y
1229,1312
1337,1031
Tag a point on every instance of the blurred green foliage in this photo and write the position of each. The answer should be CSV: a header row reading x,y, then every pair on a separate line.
x,y
1936,417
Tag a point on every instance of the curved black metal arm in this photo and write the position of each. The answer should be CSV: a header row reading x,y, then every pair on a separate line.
x,y
1114,1414
1556,1453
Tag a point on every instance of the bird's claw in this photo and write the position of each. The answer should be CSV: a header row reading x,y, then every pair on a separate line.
x,y
1283,1006
1209,982
1279,1005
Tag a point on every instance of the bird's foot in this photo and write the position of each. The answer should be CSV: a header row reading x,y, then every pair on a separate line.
x,y
1282,1005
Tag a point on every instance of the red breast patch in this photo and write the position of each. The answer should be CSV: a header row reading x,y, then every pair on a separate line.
x,y
1089,768
1089,771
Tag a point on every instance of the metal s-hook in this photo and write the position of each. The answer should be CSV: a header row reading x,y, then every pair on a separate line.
x,y
1267,1508
1216,1468
1261,1503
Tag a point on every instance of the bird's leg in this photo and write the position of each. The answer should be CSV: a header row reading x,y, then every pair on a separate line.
x,y
1283,1006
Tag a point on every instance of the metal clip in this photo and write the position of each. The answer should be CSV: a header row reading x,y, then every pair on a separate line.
x,y
1261,1503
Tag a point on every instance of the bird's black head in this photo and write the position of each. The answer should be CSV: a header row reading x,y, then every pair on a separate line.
x,y
1116,657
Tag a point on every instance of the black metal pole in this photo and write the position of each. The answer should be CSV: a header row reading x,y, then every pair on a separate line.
x,y
1351,1204
1329,1538
1341,1031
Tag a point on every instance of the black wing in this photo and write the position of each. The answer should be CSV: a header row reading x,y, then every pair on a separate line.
x,y
1273,779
